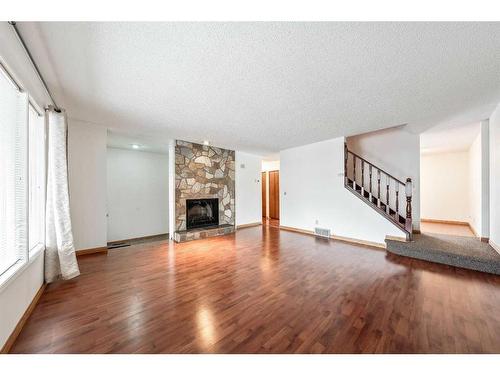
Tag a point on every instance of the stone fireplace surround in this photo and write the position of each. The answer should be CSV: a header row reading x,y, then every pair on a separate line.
x,y
204,172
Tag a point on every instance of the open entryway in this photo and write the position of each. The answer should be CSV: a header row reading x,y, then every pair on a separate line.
x,y
271,192
454,198
137,190
453,160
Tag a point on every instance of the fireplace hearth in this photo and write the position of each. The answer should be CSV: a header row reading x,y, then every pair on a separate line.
x,y
202,213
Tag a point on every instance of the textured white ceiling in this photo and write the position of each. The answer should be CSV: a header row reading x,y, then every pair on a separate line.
x,y
126,141
262,87
448,138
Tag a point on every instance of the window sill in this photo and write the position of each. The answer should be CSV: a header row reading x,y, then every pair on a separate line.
x,y
17,269
33,254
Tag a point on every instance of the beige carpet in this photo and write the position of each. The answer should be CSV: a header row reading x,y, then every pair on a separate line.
x,y
464,252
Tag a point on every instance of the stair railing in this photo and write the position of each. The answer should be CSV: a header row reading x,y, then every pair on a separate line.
x,y
384,194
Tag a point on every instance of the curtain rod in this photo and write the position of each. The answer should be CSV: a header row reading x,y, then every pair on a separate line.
x,y
33,63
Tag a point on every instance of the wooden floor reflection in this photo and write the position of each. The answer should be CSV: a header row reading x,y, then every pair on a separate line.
x,y
263,290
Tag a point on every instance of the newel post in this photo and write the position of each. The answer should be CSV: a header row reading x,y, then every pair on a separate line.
x,y
409,192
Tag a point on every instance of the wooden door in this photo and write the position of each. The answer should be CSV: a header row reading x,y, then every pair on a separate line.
x,y
274,195
264,195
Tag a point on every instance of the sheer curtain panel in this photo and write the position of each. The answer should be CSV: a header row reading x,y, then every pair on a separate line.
x,y
60,258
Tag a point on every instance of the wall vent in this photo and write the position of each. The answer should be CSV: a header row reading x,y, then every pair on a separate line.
x,y
322,232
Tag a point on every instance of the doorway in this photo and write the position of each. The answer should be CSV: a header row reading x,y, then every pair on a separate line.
x,y
271,192
451,181
274,195
136,189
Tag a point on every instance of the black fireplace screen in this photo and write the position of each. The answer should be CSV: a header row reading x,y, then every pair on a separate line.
x,y
202,213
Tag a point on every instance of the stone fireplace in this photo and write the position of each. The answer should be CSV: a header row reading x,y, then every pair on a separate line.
x,y
204,191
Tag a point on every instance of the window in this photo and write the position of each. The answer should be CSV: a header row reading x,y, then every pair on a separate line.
x,y
22,178
13,176
36,180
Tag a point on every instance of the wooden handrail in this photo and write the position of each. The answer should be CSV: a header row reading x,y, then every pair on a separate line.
x,y
373,165
391,212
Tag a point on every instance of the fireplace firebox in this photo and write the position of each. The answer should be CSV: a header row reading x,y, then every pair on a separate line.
x,y
202,213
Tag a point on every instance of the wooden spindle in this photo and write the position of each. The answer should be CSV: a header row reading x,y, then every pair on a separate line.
x,y
354,172
387,196
370,171
378,187
397,200
362,177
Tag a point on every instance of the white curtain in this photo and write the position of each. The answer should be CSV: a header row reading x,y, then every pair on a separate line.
x,y
60,258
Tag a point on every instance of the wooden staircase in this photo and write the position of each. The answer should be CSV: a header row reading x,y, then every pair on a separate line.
x,y
387,195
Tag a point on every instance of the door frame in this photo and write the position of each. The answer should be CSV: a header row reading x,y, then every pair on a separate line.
x,y
269,194
264,193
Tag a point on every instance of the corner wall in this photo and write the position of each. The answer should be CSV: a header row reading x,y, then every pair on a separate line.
x,y
248,189
475,184
494,130
17,294
87,183
485,179
445,186
137,194
312,193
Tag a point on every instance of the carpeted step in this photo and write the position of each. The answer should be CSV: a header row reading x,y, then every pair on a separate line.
x,y
463,252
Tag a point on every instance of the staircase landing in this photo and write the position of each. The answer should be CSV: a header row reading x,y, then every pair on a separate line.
x,y
464,252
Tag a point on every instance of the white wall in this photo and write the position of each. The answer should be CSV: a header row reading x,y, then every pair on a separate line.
x,y
248,189
494,127
397,151
87,183
17,294
455,185
313,194
171,188
137,194
485,179
445,191
474,182
270,165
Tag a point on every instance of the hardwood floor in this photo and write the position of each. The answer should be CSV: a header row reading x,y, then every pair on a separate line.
x,y
271,222
263,290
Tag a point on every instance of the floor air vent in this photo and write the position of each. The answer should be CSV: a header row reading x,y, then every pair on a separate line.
x,y
117,245
322,232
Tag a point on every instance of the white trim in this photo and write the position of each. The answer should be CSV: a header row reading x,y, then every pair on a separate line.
x,y
36,249
17,269
495,246
11,272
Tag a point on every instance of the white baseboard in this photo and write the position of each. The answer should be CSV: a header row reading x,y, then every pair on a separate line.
x,y
338,238
495,246
248,225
